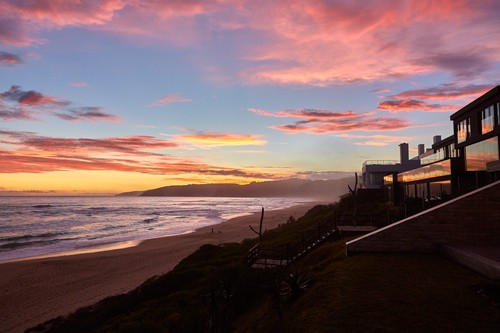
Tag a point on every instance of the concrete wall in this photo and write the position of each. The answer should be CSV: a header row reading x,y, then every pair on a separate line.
x,y
472,218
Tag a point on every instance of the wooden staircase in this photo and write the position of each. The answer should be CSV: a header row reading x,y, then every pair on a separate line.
x,y
258,258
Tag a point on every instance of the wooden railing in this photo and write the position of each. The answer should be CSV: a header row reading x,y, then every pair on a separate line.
x,y
280,255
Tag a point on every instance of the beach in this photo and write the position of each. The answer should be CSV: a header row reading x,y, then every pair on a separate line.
x,y
33,291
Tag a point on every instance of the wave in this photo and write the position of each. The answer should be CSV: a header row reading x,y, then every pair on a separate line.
x,y
16,245
42,206
150,220
28,237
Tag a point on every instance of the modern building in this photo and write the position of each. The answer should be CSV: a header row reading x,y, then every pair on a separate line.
x,y
457,164
374,171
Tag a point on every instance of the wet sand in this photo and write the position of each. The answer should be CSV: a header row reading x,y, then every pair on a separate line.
x,y
33,291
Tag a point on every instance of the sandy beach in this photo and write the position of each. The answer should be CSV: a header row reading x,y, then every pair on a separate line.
x,y
37,290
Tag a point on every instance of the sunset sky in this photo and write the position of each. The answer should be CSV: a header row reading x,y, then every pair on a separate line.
x,y
101,97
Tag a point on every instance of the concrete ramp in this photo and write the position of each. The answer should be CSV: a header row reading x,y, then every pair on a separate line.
x,y
484,259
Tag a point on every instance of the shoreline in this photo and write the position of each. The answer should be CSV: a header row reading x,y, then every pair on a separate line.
x,y
35,290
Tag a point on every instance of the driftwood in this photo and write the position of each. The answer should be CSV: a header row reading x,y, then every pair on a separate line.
x,y
354,194
259,233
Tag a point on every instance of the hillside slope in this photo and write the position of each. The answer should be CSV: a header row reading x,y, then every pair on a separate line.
x,y
281,188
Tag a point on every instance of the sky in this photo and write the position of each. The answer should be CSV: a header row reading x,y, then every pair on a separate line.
x,y
102,97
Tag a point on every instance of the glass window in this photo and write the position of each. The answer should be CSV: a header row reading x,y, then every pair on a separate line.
x,y
452,152
463,130
498,113
439,169
488,119
478,154
440,189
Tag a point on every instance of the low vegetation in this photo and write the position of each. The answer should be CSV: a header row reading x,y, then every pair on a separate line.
x,y
215,290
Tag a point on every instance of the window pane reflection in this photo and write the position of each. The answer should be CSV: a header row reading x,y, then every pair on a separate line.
x,y
478,154
438,169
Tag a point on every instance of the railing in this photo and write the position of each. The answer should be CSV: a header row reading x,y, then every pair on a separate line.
x,y
381,162
272,255
282,255
253,254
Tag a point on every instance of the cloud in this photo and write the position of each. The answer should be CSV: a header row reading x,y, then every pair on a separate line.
x,y
211,140
78,84
133,145
7,114
381,90
33,153
170,99
9,58
445,92
60,13
374,140
407,105
88,113
315,43
462,64
307,114
29,98
326,122
328,127
17,104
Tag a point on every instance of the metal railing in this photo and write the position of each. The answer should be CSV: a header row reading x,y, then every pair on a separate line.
x,y
382,162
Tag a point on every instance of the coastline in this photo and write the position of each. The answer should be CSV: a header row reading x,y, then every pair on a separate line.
x,y
33,291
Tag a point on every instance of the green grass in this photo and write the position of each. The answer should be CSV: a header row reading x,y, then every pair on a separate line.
x,y
362,293
380,293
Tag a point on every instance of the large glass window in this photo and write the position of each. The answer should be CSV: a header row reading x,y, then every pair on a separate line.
x,y
434,170
439,190
488,119
463,130
478,154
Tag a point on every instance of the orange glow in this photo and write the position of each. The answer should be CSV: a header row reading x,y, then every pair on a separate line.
x,y
210,140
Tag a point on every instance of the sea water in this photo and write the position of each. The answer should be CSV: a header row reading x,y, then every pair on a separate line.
x,y
40,226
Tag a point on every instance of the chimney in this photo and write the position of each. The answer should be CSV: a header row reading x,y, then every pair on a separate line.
x,y
436,139
403,153
421,149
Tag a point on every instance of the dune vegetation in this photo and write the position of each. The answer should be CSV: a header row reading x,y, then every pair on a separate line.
x,y
216,290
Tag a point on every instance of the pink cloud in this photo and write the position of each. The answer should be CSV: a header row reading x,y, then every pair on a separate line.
x,y
38,154
79,84
170,99
406,105
326,122
307,114
63,12
29,98
327,127
9,58
445,92
306,43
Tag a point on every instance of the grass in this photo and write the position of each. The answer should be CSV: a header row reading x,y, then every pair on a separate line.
x,y
381,293
213,290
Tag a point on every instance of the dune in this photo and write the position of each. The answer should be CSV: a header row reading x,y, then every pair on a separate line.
x,y
33,291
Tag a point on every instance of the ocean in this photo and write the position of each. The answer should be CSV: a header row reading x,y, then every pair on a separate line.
x,y
41,226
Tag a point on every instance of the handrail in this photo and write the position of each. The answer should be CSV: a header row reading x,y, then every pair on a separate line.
x,y
287,254
381,162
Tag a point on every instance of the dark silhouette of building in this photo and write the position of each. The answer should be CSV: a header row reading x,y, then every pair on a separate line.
x,y
460,163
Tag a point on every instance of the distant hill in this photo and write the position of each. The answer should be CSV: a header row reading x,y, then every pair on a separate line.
x,y
130,194
281,188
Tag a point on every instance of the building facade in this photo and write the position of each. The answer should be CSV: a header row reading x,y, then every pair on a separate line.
x,y
457,164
